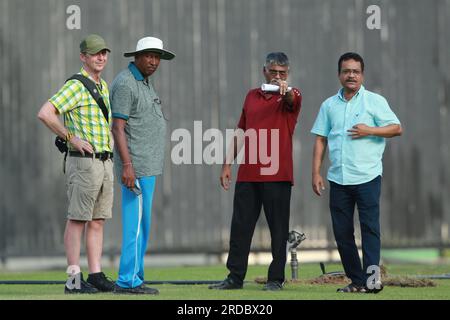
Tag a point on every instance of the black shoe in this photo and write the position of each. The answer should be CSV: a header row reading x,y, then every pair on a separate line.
x,y
375,290
142,289
83,288
227,284
273,286
101,282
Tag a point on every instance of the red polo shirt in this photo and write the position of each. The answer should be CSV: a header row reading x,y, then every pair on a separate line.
x,y
268,111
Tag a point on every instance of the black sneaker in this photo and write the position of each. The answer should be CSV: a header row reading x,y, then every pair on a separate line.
x,y
227,284
100,281
273,286
142,289
83,288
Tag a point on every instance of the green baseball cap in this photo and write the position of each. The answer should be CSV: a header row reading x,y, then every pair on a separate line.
x,y
93,44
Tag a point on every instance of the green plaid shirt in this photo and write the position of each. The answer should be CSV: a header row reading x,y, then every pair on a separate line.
x,y
82,116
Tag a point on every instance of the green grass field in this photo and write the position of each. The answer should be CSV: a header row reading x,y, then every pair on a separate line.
x,y
251,291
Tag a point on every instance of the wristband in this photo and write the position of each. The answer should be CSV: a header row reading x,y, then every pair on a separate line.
x,y
68,136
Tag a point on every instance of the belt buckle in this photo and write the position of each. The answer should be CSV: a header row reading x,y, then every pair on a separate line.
x,y
103,156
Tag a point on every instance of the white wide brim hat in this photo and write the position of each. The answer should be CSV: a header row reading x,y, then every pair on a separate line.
x,y
153,45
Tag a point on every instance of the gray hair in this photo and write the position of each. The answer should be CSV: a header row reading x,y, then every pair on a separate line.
x,y
277,58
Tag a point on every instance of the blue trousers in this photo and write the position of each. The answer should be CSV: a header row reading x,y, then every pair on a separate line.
x,y
343,198
136,222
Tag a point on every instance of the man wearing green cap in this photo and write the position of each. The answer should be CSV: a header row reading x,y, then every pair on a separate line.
x,y
89,175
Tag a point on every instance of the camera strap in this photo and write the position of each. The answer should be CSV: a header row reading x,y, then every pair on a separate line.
x,y
92,88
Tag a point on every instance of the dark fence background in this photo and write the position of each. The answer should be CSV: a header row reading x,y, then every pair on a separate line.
x,y
220,47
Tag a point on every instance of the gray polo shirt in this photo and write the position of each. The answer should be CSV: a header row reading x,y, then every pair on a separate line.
x,y
135,100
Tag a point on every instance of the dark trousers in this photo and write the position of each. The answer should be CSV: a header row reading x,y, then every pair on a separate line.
x,y
249,198
343,198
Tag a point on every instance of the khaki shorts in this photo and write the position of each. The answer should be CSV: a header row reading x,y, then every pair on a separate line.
x,y
90,184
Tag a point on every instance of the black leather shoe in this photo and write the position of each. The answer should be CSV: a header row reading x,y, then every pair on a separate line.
x,y
227,284
273,286
142,289
101,282
80,287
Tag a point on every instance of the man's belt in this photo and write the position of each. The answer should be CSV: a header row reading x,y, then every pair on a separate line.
x,y
103,156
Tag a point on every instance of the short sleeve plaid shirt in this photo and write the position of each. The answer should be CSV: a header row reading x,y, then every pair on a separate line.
x,y
82,116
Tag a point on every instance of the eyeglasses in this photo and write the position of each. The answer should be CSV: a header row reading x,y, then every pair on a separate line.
x,y
350,71
273,72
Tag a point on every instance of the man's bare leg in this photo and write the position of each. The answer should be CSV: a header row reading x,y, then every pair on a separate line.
x,y
94,244
72,242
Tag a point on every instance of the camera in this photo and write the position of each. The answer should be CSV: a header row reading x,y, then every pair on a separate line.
x,y
61,144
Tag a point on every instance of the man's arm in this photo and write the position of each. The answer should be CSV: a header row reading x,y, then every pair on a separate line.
x,y
320,145
233,151
361,130
289,98
120,139
48,114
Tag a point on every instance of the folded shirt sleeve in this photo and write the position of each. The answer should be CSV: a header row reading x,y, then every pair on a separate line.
x,y
68,97
383,114
121,101
322,124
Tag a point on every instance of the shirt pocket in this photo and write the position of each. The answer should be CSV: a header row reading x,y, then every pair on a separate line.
x,y
156,107
364,117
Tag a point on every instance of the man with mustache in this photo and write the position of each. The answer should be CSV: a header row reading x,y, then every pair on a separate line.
x,y
89,171
354,124
256,188
139,129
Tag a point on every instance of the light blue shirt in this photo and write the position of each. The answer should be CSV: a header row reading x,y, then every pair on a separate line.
x,y
360,160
